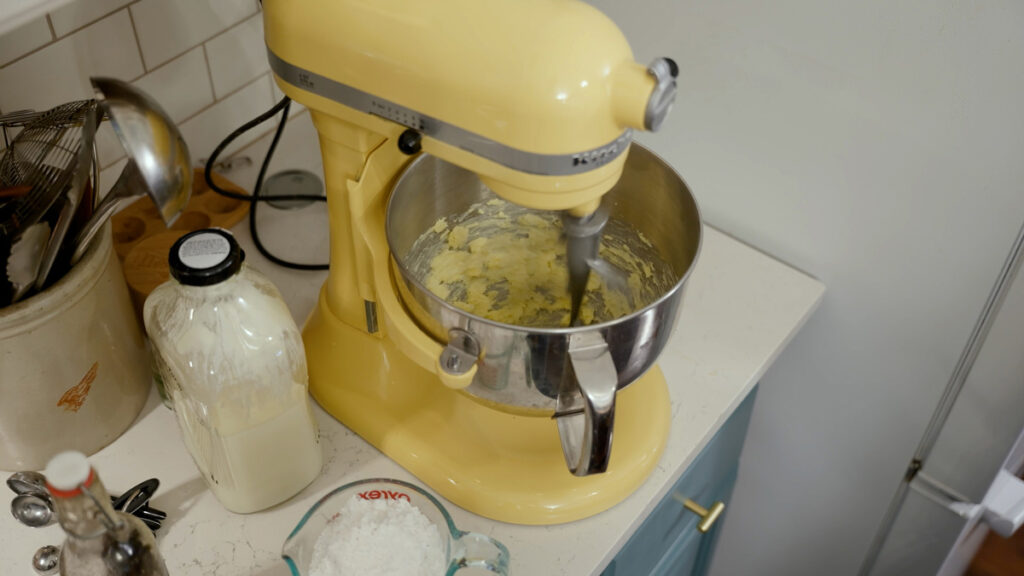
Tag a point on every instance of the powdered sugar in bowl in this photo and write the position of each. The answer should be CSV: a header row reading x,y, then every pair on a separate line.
x,y
383,526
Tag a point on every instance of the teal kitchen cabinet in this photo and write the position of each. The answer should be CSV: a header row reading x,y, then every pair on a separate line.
x,y
668,543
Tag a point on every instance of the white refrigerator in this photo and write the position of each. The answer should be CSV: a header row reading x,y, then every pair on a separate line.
x,y
963,480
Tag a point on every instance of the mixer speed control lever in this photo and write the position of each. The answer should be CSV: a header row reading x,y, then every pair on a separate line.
x,y
664,71
410,142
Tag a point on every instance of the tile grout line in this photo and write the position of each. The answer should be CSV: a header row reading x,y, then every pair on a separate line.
x,y
207,108
264,134
219,100
29,53
134,31
114,161
93,21
138,43
209,73
164,65
232,27
205,40
273,97
260,135
55,39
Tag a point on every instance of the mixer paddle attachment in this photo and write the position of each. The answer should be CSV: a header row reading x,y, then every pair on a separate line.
x,y
583,238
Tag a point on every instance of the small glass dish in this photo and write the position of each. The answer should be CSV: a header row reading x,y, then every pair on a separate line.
x,y
461,549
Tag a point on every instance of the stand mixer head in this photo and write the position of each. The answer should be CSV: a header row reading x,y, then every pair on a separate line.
x,y
537,98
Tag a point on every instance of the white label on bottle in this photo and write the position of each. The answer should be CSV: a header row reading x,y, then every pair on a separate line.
x,y
204,250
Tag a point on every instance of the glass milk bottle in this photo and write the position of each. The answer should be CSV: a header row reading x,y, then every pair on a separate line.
x,y
232,362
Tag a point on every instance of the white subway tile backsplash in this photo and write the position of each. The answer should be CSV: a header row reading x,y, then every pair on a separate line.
x,y
204,61
60,72
204,131
24,39
237,56
81,12
166,29
108,176
108,147
182,86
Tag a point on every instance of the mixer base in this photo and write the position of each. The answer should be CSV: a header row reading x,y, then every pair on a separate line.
x,y
503,466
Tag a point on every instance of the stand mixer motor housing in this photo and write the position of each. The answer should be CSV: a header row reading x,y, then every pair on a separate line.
x,y
539,98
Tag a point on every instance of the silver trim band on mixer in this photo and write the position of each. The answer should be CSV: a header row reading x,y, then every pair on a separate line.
x,y
529,162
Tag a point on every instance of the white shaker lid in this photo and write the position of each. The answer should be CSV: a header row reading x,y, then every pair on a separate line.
x,y
67,471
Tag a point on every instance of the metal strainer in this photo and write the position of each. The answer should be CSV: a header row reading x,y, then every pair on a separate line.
x,y
50,160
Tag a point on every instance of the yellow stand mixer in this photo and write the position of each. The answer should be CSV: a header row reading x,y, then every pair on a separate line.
x,y
538,98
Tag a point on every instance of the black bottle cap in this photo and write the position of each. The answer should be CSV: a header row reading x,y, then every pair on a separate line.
x,y
205,257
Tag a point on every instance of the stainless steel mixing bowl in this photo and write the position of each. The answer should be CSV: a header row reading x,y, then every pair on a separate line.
x,y
572,372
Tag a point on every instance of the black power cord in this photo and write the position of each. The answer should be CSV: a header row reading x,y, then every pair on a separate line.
x,y
255,198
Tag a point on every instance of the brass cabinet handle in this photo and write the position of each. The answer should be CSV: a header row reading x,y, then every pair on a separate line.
x,y
707,517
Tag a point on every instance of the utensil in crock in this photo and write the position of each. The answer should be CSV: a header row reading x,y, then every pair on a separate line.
x,y
80,172
50,157
27,252
158,158
462,549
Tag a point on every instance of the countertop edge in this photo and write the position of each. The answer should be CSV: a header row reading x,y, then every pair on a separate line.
x,y
741,395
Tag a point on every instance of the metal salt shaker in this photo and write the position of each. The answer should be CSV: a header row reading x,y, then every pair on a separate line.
x,y
100,541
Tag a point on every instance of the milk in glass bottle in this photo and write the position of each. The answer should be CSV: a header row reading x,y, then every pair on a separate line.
x,y
232,362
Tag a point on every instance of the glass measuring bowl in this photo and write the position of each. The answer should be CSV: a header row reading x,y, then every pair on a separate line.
x,y
461,549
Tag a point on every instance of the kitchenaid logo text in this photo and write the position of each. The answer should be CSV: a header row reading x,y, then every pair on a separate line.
x,y
596,157
306,80
384,494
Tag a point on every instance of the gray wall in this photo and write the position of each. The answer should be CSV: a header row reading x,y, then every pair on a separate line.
x,y
880,147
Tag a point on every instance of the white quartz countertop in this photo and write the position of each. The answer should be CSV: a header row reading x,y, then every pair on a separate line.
x,y
740,310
